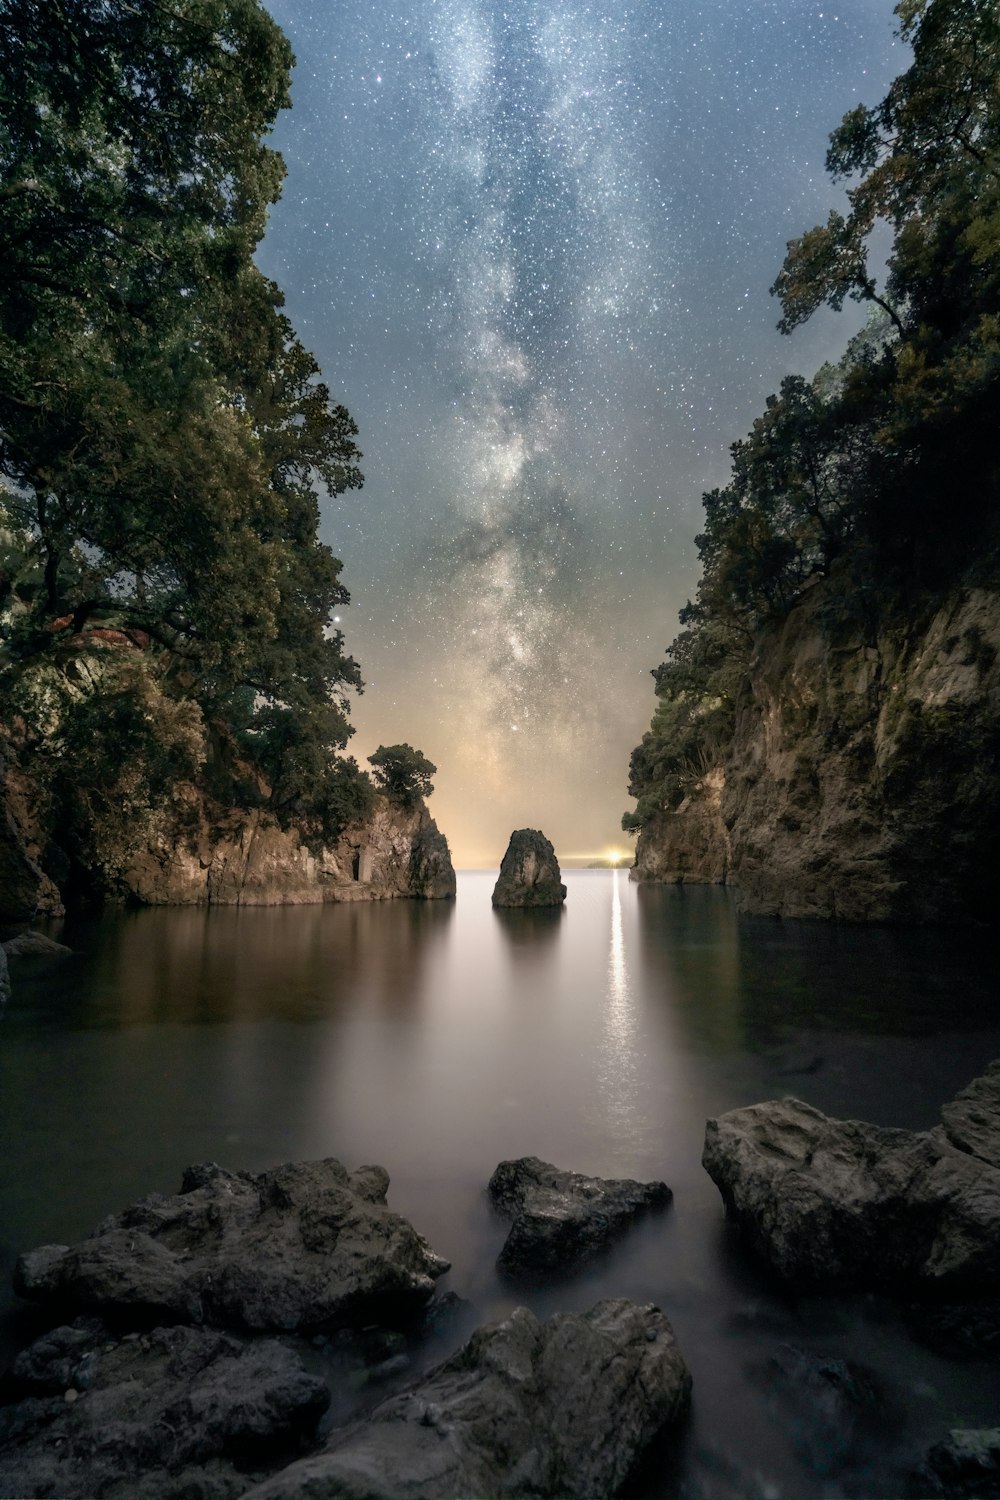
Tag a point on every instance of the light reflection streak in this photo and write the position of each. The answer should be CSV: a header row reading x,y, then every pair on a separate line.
x,y
617,1070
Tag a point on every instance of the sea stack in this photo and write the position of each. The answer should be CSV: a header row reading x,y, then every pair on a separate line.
x,y
529,874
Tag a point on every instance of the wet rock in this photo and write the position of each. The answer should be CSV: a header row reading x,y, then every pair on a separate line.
x,y
303,1247
957,1329
179,1413
823,1405
562,1219
35,945
972,1120
529,872
967,1463
4,977
562,1408
844,1203
59,1360
20,877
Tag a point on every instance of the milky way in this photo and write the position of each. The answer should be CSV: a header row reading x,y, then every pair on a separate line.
x,y
530,244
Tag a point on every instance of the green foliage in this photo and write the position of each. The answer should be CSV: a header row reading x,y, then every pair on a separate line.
x,y
105,747
692,726
853,476
404,774
162,430
926,160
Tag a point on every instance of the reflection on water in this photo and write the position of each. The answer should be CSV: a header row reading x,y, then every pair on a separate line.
x,y
439,1039
618,1067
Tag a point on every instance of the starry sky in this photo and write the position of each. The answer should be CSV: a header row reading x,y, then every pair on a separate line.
x,y
530,243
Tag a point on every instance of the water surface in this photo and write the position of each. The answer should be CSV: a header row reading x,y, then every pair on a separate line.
x,y
438,1039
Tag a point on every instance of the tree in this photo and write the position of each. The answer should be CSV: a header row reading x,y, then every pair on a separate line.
x,y
162,430
852,476
404,774
926,160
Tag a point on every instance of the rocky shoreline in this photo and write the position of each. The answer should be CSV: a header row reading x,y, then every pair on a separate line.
x,y
200,853
202,1341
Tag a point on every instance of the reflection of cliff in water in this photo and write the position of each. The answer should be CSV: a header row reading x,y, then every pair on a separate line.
x,y
529,930
224,964
689,952
755,982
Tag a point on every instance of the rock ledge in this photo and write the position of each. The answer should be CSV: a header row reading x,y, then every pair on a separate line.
x,y
303,1247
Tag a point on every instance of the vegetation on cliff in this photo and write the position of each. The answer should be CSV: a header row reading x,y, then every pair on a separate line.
x,y
166,606
851,476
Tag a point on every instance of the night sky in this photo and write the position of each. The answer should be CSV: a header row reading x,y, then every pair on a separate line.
x,y
530,243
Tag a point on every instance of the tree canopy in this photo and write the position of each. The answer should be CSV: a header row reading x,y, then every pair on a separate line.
x,y
164,435
854,473
404,774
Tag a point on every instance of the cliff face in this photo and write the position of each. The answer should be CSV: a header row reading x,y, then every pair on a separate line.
x,y
200,855
689,845
203,854
864,777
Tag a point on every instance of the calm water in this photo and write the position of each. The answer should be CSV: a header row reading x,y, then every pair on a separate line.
x,y
438,1039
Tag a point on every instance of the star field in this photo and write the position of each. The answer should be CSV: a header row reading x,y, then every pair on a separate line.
x,y
530,244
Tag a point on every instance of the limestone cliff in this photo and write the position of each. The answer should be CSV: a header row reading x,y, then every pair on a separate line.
x,y
863,781
690,845
204,855
200,853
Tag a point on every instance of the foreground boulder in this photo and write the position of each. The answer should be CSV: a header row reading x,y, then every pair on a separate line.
x,y
562,1219
563,1408
972,1120
303,1247
844,1203
529,872
967,1463
172,1414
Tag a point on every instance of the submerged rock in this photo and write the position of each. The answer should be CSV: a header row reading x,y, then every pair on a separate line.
x,y
529,872
172,1414
562,1408
957,1329
825,1406
302,1247
35,945
562,1219
844,1203
967,1463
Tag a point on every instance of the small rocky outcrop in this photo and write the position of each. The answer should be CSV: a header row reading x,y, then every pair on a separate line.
x,y
35,945
562,1219
562,1408
966,1464
844,1203
303,1247
529,872
169,1414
